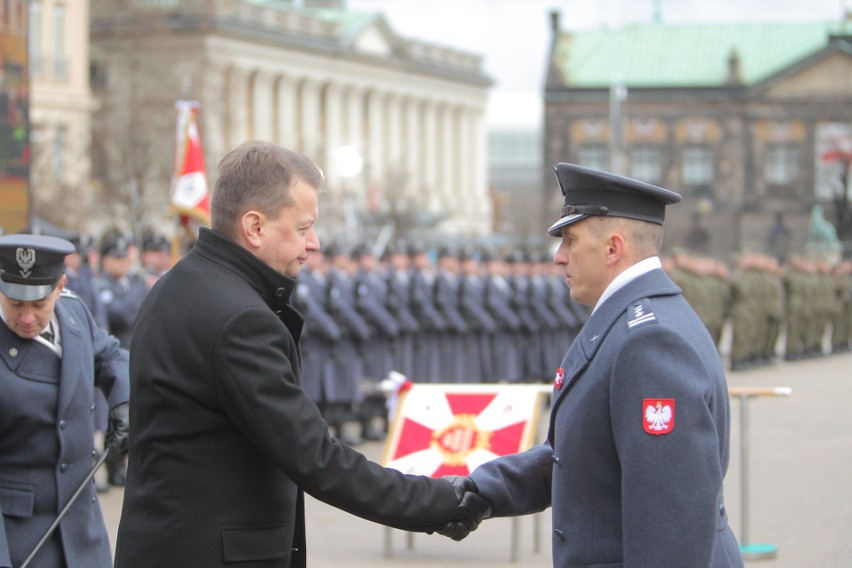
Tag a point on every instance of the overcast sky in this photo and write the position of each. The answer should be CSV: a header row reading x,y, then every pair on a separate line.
x,y
513,35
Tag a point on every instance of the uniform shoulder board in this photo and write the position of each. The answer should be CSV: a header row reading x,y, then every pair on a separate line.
x,y
68,293
640,313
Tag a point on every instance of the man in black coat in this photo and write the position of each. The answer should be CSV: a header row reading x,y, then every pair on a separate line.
x,y
224,440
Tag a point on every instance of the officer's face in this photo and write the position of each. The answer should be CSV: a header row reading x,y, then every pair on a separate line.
x,y
28,319
582,256
288,240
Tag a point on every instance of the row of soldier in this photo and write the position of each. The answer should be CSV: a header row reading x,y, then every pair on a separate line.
x,y
461,318
799,310
475,316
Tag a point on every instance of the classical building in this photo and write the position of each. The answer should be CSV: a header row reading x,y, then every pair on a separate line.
x,y
748,121
61,107
397,125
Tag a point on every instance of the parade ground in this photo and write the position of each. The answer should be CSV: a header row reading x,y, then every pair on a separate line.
x,y
799,495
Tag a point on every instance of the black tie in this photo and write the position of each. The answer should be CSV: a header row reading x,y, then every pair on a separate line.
x,y
47,335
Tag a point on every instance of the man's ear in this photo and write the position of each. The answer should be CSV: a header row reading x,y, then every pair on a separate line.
x,y
615,248
251,228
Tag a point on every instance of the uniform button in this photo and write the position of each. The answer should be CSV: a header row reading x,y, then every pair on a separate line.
x,y
559,534
280,292
722,510
62,425
555,459
92,408
94,499
63,468
94,453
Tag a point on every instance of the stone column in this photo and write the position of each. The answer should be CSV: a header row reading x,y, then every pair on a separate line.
x,y
262,107
309,126
238,107
286,101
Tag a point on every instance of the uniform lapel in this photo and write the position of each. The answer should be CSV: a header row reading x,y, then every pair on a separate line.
x,y
596,328
72,338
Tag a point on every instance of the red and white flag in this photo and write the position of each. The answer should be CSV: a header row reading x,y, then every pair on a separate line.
x,y
190,193
451,429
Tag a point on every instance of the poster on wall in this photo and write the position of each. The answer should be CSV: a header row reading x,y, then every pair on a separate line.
x,y
14,117
450,429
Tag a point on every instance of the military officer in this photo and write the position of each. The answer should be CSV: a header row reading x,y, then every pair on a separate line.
x,y
508,364
121,289
371,297
320,333
398,278
638,444
427,364
479,362
54,356
346,368
447,300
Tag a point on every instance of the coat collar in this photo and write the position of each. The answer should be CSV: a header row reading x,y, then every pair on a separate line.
x,y
274,288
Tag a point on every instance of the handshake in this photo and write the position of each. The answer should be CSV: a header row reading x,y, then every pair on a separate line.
x,y
473,508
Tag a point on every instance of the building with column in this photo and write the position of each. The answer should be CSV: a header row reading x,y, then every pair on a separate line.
x,y
748,121
397,125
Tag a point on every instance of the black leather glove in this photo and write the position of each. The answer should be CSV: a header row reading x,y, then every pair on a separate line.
x,y
118,428
472,509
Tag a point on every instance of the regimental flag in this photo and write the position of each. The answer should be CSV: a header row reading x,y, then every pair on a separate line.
x,y
452,429
190,194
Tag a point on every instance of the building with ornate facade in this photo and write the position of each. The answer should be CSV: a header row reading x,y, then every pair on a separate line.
x,y
750,122
397,125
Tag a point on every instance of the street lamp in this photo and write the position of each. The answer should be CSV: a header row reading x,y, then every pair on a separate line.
x,y
348,164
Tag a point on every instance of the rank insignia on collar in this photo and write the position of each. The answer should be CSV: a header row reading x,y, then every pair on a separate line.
x,y
559,379
659,415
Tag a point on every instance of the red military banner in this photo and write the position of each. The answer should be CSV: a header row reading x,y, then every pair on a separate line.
x,y
450,429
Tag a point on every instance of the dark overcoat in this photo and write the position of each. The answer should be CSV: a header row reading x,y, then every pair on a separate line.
x,y
627,487
47,442
224,441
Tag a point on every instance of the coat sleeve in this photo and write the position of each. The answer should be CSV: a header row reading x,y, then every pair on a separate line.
x,y
257,384
671,483
517,484
112,366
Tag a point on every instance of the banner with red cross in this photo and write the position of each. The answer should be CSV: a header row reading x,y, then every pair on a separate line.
x,y
444,429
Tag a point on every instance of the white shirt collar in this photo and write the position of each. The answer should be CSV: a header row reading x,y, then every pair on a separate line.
x,y
632,273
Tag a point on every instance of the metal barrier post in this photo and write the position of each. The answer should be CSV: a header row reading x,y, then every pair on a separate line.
x,y
750,550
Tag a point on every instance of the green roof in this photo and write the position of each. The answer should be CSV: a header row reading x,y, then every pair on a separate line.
x,y
686,55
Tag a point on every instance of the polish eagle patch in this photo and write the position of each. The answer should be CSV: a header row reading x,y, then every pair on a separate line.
x,y
658,415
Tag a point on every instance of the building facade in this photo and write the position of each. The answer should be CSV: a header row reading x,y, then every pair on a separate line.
x,y
61,107
397,125
752,123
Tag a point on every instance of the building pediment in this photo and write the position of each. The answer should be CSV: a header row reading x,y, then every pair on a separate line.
x,y
371,36
823,74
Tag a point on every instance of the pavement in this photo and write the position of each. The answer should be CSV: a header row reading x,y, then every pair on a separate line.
x,y
798,496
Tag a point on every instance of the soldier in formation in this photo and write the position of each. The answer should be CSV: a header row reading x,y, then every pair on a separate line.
x,y
446,315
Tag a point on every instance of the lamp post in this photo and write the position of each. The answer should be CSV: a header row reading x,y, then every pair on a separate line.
x,y
348,163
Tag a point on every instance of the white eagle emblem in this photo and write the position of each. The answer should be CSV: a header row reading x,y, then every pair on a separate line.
x,y
659,416
25,258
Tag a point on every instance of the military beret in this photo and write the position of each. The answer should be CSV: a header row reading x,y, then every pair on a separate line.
x,y
590,192
31,265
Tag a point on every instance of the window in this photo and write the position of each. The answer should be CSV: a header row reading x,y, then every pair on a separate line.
x,y
646,164
697,166
35,39
594,156
781,165
57,161
60,61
